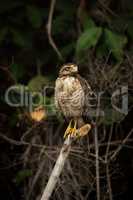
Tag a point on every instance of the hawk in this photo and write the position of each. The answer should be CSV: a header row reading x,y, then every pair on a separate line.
x,y
72,96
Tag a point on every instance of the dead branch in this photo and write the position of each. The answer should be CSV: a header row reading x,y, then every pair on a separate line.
x,y
49,28
54,148
54,177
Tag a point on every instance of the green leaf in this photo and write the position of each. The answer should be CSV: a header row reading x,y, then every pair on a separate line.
x,y
34,16
115,43
88,23
101,50
88,38
22,175
85,19
3,33
37,83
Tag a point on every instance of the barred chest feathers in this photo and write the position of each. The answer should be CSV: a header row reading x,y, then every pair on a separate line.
x,y
69,96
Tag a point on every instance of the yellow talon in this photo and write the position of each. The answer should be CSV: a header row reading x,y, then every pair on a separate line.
x,y
71,130
68,129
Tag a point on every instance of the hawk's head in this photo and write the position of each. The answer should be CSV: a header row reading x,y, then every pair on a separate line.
x,y
68,69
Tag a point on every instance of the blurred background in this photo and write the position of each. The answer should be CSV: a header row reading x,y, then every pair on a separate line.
x,y
36,38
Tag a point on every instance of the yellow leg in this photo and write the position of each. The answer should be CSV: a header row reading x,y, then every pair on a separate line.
x,y
68,129
71,130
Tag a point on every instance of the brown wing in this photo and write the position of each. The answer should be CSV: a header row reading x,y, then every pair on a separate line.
x,y
88,100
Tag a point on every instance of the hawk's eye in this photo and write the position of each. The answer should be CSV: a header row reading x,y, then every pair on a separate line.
x,y
67,68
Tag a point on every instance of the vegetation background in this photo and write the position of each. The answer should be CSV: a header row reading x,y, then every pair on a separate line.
x,y
36,38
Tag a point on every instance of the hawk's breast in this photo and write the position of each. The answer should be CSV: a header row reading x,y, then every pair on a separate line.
x,y
69,96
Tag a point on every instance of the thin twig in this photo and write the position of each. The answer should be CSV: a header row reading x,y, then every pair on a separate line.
x,y
97,163
97,151
49,28
19,143
107,165
30,130
36,177
108,145
121,145
109,182
74,180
